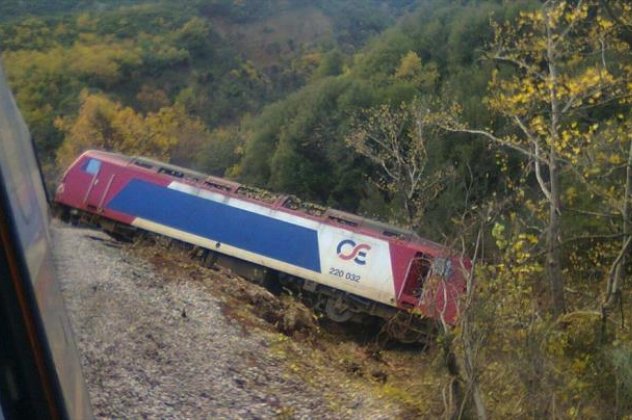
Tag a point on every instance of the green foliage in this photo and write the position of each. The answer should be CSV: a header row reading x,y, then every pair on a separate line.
x,y
357,20
621,358
221,152
195,37
331,64
152,54
383,56
240,11
406,61
291,148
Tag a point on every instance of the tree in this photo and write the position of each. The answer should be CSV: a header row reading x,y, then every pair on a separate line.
x,y
222,151
411,69
105,124
555,68
409,66
396,139
606,175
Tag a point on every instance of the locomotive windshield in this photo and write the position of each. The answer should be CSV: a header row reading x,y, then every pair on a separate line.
x,y
92,166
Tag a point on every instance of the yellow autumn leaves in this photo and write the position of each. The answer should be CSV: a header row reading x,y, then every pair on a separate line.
x,y
108,125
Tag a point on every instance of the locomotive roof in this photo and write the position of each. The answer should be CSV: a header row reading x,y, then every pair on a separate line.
x,y
110,156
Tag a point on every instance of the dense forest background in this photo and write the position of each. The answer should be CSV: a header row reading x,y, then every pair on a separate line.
x,y
501,128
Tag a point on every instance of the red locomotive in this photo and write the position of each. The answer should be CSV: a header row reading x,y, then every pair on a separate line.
x,y
351,265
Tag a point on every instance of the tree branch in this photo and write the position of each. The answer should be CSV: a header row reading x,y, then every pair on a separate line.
x,y
538,174
495,139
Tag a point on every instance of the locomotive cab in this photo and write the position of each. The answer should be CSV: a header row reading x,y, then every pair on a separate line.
x,y
433,285
72,191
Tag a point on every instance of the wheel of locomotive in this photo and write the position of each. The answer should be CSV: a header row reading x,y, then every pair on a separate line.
x,y
337,309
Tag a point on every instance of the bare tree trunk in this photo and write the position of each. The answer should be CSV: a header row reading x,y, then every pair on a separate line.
x,y
464,385
619,271
554,271
456,400
553,265
471,374
471,342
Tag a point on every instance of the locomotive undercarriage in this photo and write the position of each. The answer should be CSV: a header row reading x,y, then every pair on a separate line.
x,y
340,306
337,305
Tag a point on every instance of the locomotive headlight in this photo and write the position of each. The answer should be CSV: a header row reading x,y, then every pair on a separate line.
x,y
60,189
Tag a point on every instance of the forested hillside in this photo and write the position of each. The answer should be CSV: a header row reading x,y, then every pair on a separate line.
x,y
501,128
205,64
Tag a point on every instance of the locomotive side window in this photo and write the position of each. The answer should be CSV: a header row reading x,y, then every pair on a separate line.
x,y
92,166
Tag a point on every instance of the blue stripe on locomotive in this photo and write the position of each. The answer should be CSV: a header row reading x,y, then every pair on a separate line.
x,y
243,229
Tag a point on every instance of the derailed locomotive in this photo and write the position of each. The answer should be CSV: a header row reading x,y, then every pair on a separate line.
x,y
351,266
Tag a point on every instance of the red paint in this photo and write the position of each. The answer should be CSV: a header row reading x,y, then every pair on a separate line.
x,y
439,297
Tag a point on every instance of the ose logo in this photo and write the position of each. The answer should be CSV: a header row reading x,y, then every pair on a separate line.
x,y
349,250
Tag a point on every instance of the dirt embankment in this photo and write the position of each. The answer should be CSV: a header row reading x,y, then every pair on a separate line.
x,y
162,337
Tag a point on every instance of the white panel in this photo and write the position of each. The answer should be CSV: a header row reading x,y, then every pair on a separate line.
x,y
362,267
